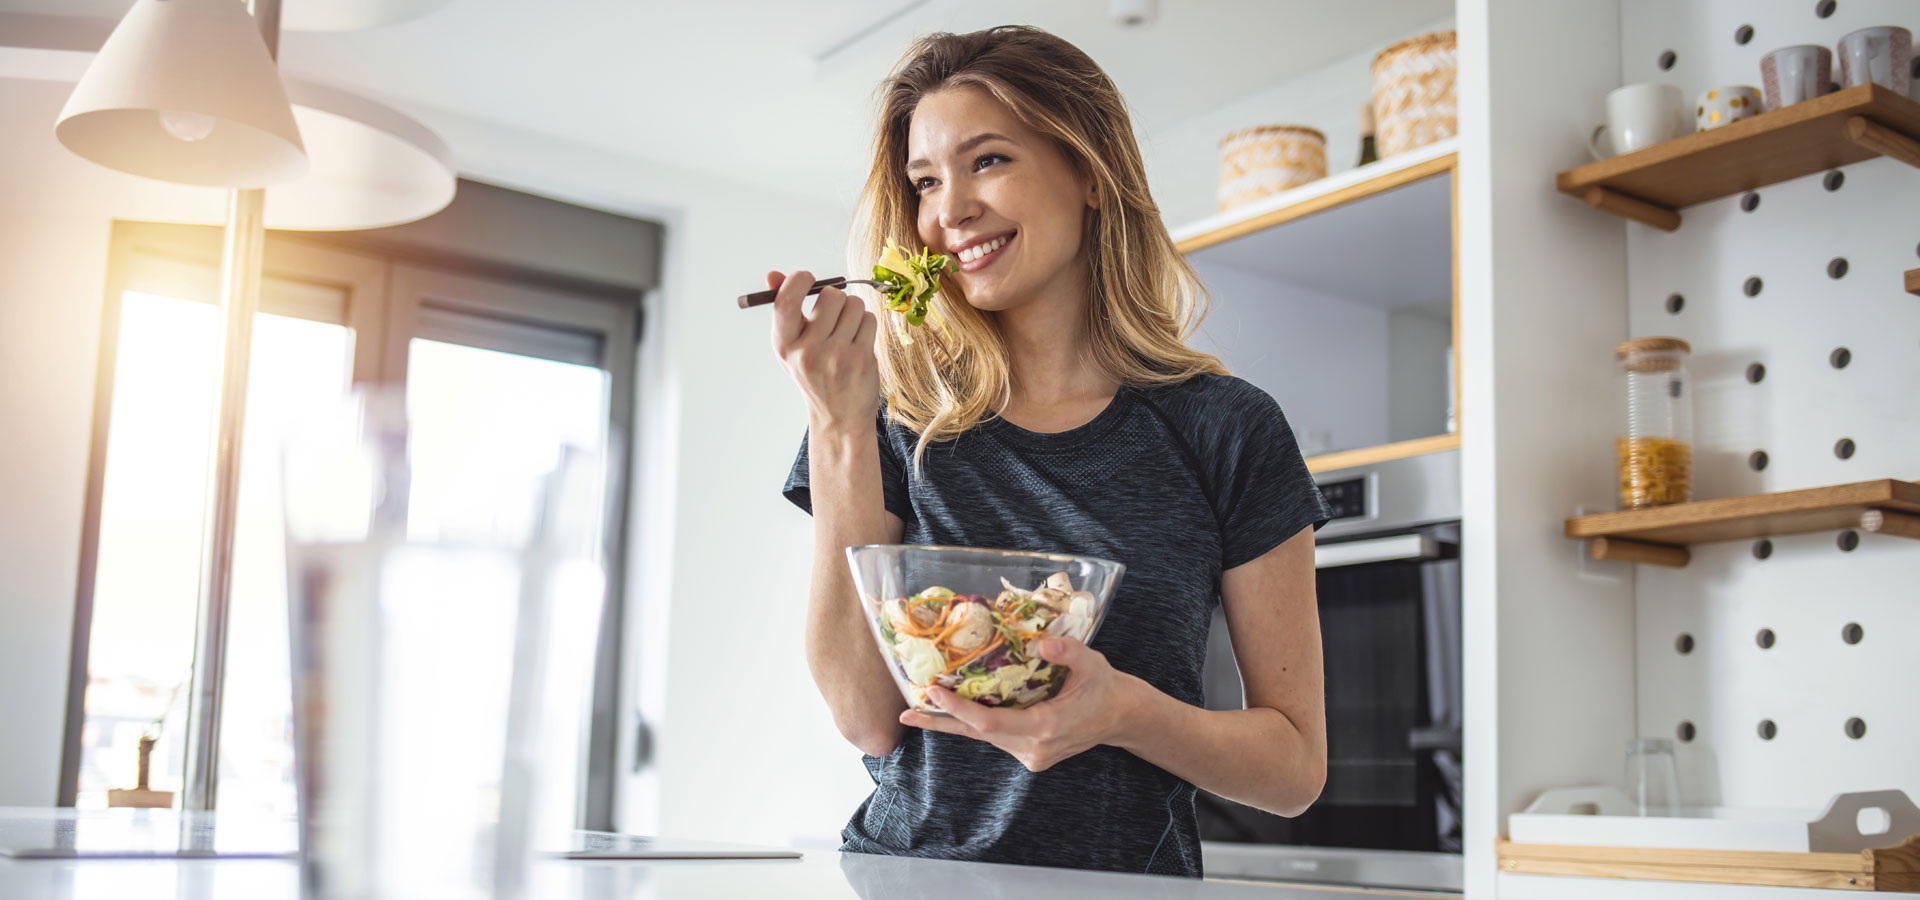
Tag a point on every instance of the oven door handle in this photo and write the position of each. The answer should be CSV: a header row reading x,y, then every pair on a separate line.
x,y
1376,550
1434,737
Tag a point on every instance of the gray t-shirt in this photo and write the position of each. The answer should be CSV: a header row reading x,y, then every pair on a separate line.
x,y
1180,483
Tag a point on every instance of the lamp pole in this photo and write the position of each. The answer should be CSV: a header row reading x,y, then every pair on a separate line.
x,y
241,258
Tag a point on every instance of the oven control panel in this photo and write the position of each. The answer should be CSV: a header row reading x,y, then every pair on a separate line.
x,y
1348,499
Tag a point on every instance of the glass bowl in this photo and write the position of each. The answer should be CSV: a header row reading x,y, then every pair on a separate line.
x,y
966,618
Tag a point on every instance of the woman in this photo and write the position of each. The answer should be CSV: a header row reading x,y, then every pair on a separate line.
x,y
1055,408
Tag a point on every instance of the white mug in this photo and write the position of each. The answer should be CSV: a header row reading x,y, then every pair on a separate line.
x,y
1639,116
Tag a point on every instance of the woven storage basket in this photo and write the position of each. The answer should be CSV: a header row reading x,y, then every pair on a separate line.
x,y
1413,98
1257,162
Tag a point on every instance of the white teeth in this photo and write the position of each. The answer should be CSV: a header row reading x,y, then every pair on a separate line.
x,y
975,252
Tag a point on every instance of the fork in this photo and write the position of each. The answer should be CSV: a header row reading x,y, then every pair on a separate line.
x,y
762,298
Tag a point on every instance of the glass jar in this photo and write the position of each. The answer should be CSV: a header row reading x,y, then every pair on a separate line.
x,y
1656,454
1651,782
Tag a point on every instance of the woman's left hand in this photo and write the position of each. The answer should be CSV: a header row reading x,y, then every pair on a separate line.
x,y
1088,712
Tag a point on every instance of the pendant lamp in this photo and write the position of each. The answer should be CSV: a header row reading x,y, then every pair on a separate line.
x,y
186,91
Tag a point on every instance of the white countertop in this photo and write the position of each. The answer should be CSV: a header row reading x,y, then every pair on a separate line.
x,y
818,874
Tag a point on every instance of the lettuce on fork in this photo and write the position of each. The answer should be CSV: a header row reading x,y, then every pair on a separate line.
x,y
912,280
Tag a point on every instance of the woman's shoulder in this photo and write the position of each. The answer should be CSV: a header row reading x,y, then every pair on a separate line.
x,y
1213,399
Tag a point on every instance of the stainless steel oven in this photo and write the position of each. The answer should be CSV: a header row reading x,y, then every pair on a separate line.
x,y
1388,580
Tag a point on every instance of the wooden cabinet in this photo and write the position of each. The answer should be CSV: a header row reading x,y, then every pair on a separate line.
x,y
1340,298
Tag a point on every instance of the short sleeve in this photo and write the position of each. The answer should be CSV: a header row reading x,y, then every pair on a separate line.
x,y
893,475
1265,494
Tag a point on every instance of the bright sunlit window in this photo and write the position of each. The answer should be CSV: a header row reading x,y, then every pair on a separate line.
x,y
147,575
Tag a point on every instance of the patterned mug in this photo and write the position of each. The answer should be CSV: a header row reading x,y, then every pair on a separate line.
x,y
1721,105
1794,74
1880,55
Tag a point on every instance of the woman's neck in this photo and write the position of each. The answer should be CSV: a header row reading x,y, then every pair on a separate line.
x,y
1054,381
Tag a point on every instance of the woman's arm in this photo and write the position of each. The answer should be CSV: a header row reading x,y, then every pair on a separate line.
x,y
830,355
844,473
1271,755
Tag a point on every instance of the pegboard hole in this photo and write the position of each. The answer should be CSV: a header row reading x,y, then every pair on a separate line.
x,y
1852,633
1840,357
1825,8
1675,303
1857,729
1685,732
1764,638
1743,34
1757,460
1683,643
1749,201
1834,180
1843,448
1873,819
1767,729
1848,540
1837,268
1667,59
1752,287
1762,548
1755,373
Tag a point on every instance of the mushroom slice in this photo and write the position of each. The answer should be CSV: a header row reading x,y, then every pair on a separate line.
x,y
1053,599
975,628
1060,582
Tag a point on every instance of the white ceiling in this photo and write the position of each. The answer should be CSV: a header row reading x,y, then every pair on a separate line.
x,y
735,87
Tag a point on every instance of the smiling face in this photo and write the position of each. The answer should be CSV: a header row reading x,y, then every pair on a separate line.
x,y
998,197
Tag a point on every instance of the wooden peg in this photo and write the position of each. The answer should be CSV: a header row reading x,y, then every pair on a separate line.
x,y
1883,140
1913,281
1887,521
1630,207
1619,550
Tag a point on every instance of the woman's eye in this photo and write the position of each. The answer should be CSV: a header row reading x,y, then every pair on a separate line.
x,y
920,185
989,159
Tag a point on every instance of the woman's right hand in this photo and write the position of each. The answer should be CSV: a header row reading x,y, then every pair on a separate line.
x,y
829,353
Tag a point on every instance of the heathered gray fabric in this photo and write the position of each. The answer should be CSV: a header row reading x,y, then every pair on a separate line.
x,y
1179,483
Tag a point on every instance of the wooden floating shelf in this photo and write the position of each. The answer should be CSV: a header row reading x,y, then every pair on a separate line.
x,y
1890,869
1653,185
1913,281
1660,535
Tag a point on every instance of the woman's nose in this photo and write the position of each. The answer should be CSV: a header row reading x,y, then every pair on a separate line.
x,y
958,205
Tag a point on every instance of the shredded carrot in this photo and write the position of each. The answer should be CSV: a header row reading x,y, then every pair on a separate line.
x,y
977,653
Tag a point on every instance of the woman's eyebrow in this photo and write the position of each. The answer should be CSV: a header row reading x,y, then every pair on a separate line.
x,y
965,145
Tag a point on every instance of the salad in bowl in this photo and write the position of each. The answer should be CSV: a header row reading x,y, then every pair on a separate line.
x,y
968,619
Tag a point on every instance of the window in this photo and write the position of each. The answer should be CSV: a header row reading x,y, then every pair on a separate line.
x,y
485,362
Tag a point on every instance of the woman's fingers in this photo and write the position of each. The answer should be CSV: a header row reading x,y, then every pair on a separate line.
x,y
826,314
847,324
915,719
869,326
788,321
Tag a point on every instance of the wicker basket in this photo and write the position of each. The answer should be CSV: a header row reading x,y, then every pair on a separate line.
x,y
1413,97
1257,162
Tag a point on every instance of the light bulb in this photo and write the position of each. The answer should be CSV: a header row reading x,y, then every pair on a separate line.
x,y
187,126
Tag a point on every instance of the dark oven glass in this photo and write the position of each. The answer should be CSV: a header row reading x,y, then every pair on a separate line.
x,y
1390,632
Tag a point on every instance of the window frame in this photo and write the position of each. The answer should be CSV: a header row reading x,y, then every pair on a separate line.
x,y
386,293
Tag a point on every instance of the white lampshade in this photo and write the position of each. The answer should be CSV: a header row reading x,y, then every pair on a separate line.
x,y
185,91
373,165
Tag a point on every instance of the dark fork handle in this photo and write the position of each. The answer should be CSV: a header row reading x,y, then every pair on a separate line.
x,y
762,298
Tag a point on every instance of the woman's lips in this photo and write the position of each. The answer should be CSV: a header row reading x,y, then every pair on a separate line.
x,y
975,265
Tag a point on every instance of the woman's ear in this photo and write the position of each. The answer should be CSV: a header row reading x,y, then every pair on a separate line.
x,y
1093,195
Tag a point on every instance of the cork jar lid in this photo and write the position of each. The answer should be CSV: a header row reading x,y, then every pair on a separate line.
x,y
1652,354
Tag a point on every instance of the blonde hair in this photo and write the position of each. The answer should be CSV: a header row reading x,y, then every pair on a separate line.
x,y
1144,300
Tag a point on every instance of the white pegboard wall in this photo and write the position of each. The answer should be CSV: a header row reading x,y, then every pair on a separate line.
x,y
1810,681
